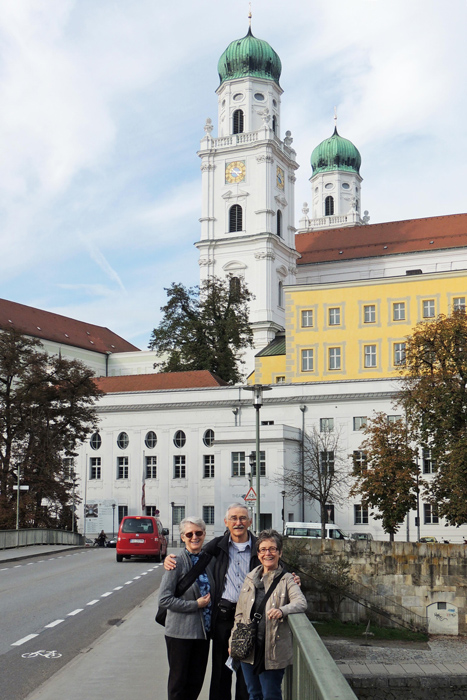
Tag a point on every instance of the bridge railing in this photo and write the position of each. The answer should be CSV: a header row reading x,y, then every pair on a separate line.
x,y
314,674
29,536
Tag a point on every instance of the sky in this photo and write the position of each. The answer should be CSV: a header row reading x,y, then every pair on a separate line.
x,y
103,104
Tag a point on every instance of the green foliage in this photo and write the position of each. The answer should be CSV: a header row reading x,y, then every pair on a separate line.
x,y
388,480
434,396
335,628
46,409
204,327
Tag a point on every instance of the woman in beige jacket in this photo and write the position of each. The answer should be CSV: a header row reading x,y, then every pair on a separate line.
x,y
264,668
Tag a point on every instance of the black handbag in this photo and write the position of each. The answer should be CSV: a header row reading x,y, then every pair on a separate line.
x,y
244,635
184,584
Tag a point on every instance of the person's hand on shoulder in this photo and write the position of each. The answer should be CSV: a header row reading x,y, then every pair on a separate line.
x,y
296,578
170,562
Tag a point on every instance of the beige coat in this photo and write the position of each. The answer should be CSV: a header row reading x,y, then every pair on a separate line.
x,y
288,597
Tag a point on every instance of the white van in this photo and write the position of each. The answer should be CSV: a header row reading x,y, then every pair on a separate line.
x,y
313,530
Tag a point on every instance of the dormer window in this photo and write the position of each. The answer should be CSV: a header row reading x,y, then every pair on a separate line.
x,y
237,122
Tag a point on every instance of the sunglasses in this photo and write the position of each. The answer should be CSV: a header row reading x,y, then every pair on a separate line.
x,y
198,533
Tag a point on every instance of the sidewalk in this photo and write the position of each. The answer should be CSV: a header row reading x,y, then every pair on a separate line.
x,y
39,550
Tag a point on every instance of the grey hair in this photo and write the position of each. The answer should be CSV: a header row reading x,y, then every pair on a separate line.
x,y
235,505
199,522
269,535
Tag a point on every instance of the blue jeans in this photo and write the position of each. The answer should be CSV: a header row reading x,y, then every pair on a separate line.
x,y
266,686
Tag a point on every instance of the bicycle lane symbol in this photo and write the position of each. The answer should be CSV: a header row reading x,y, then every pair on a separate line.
x,y
41,652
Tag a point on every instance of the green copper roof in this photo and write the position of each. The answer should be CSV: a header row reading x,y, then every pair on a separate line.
x,y
335,153
275,347
249,57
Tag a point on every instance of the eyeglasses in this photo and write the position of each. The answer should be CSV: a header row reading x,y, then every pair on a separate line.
x,y
272,550
198,533
241,518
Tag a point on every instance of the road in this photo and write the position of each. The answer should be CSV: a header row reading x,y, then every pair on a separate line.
x,y
63,603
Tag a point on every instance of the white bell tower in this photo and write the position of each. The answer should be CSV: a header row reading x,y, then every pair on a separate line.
x,y
247,222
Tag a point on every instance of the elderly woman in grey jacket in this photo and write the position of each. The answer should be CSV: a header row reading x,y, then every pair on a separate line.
x,y
264,669
188,621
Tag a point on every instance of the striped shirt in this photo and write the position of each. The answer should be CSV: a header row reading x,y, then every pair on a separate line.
x,y
239,567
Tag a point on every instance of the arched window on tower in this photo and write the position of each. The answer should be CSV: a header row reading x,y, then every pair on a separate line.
x,y
235,218
235,287
279,223
274,123
329,206
237,122
280,294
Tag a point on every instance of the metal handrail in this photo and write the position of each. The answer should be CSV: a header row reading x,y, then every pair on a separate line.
x,y
30,536
314,674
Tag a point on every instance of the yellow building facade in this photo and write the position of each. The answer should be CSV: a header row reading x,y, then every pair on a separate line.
x,y
356,329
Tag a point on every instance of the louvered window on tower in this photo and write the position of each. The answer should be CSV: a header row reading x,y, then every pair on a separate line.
x,y
329,206
235,218
238,121
279,223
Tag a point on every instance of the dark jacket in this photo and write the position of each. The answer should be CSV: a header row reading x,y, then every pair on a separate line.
x,y
219,548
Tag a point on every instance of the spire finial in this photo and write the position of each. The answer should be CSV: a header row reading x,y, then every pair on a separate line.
x,y
335,117
250,15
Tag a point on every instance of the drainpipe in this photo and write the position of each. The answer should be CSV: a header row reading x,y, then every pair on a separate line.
x,y
302,465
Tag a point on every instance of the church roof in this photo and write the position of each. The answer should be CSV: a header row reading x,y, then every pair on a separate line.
x,y
275,347
46,325
159,382
335,153
249,56
374,240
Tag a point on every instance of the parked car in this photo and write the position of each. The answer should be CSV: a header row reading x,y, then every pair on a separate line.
x,y
141,536
313,530
366,536
428,539
112,542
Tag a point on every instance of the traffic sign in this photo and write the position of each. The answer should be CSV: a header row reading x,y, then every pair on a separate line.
x,y
21,488
251,496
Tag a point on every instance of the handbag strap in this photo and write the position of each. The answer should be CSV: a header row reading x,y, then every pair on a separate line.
x,y
191,576
259,613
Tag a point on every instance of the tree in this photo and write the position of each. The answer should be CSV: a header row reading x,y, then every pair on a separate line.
x,y
324,476
434,396
46,409
387,479
204,327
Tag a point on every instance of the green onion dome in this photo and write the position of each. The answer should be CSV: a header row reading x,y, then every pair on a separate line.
x,y
336,153
249,57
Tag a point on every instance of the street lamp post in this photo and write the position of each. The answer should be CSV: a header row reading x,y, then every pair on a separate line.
x,y
172,506
257,390
113,520
283,512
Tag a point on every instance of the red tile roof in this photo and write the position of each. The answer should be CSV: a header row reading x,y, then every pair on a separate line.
x,y
61,329
159,382
373,240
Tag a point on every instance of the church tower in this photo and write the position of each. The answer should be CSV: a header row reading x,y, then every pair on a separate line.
x,y
247,222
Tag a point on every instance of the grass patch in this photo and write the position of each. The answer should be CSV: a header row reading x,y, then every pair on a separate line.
x,y
335,628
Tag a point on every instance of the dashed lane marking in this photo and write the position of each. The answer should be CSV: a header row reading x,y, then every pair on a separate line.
x,y
75,612
127,583
118,588
104,595
24,640
92,602
53,624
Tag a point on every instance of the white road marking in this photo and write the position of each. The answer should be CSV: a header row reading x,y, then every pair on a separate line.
x,y
31,563
127,583
118,588
24,639
104,595
54,623
4,569
144,573
75,612
18,566
136,577
92,602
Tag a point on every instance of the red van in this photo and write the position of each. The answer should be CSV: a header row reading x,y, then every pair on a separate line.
x,y
141,536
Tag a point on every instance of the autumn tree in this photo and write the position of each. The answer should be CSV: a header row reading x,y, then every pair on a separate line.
x,y
387,478
46,409
205,327
321,474
434,397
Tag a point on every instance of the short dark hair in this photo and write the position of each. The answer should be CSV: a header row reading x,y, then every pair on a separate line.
x,y
270,535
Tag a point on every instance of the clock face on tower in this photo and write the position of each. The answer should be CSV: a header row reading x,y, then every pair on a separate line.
x,y
280,178
235,171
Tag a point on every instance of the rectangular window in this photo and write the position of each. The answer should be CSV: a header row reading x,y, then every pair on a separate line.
x,y
429,308
458,304
307,360
359,422
394,419
151,467
122,511
399,354
95,471
326,425
151,510
178,513
360,514
359,460
329,508
335,316
370,356
307,318
262,465
208,515
179,466
334,358
429,464
369,313
208,466
398,311
280,380
238,464
430,513
122,467
326,461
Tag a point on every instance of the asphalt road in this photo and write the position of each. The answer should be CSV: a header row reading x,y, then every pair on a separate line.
x,y
63,603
